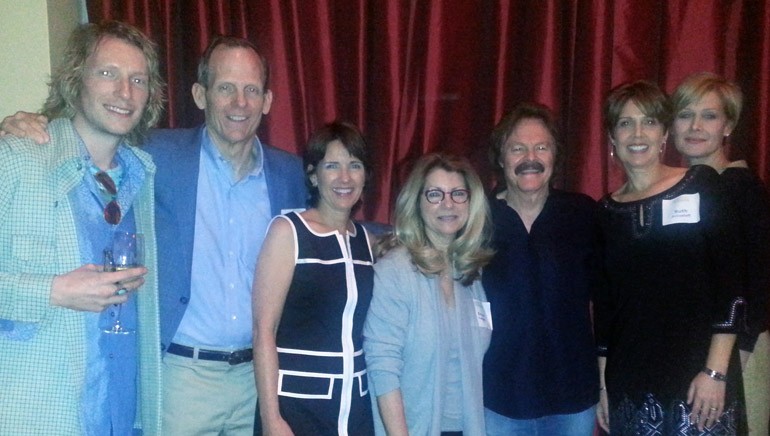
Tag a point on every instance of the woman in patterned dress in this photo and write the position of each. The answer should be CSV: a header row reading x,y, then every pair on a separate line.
x,y
667,321
311,293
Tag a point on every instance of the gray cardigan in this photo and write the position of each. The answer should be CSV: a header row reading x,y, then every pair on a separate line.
x,y
406,348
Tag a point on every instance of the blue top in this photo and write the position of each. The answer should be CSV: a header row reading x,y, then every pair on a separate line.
x,y
319,339
109,392
229,233
541,359
452,383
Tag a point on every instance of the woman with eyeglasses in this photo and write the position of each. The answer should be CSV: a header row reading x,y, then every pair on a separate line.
x,y
429,322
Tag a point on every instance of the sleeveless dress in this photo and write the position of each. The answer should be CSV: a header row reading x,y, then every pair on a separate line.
x,y
322,382
674,270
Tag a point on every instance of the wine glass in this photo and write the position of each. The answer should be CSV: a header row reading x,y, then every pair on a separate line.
x,y
126,251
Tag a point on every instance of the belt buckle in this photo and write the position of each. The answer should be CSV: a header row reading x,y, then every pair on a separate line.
x,y
238,357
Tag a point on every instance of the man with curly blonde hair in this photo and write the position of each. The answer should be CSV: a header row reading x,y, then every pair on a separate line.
x,y
60,205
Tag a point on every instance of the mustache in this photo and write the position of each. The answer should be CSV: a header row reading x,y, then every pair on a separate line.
x,y
529,165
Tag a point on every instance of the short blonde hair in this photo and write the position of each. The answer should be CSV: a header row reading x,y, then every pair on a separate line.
x,y
695,86
471,250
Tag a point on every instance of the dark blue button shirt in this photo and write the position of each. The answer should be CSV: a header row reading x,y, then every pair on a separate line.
x,y
541,360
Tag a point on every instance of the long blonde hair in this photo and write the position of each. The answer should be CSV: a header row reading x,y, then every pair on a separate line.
x,y
470,250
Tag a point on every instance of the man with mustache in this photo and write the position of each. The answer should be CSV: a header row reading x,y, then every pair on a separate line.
x,y
540,372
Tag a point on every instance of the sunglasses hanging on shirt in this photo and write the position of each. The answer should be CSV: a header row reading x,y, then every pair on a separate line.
x,y
112,212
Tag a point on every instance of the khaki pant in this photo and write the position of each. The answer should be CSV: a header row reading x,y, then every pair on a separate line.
x,y
202,397
756,382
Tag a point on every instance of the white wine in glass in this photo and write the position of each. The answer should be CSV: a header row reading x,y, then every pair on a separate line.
x,y
126,251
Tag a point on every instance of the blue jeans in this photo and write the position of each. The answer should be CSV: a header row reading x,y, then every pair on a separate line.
x,y
575,424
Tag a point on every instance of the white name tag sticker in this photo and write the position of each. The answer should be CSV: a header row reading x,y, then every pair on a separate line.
x,y
483,314
684,209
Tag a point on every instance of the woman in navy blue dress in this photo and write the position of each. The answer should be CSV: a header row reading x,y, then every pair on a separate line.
x,y
311,293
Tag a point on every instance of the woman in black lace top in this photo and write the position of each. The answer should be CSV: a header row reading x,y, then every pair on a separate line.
x,y
706,110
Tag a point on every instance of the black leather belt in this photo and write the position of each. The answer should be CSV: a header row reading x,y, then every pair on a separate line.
x,y
234,358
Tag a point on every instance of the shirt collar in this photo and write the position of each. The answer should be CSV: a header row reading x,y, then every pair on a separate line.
x,y
211,152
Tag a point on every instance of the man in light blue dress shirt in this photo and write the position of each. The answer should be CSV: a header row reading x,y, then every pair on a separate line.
x,y
217,189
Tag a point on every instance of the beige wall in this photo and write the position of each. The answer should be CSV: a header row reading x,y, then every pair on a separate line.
x,y
63,16
32,36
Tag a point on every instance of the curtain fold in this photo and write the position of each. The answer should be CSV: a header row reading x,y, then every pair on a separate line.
x,y
436,75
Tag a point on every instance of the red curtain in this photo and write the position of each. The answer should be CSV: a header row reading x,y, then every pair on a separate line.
x,y
428,75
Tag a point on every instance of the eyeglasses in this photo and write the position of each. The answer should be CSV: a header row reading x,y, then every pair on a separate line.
x,y
436,196
112,210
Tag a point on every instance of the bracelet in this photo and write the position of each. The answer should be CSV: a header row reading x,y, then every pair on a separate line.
x,y
716,375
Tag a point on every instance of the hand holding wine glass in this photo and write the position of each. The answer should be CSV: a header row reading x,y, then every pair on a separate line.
x,y
89,288
126,251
